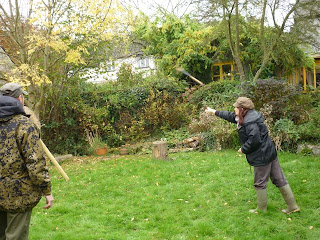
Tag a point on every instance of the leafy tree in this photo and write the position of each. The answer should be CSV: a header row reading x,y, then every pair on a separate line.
x,y
273,34
55,39
196,46
177,42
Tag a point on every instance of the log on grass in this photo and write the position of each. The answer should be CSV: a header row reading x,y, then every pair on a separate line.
x,y
63,157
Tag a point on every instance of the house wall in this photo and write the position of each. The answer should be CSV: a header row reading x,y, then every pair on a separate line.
x,y
109,71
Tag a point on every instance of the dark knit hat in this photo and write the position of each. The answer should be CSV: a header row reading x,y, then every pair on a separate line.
x,y
244,102
12,90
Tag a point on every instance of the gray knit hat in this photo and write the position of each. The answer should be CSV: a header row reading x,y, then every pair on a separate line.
x,y
12,90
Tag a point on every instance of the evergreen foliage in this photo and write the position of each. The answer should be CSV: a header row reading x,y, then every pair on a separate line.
x,y
134,111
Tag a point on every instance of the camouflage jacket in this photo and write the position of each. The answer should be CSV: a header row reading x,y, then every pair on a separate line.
x,y
24,176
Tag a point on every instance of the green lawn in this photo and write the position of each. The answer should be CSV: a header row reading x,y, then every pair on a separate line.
x,y
194,196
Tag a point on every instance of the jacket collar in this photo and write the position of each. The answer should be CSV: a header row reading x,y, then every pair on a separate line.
x,y
10,106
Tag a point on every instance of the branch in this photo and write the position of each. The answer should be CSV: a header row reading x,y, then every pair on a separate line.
x,y
31,9
5,23
294,7
262,38
45,4
236,2
190,3
104,18
10,7
17,14
273,11
6,15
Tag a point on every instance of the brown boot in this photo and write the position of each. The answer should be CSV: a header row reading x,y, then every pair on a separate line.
x,y
289,198
262,199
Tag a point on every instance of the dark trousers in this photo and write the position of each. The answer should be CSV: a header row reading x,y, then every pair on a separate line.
x,y
272,171
14,226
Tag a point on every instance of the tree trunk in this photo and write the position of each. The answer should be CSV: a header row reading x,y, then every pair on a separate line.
x,y
266,54
159,150
235,48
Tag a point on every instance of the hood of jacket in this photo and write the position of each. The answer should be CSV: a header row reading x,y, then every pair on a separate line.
x,y
9,107
253,117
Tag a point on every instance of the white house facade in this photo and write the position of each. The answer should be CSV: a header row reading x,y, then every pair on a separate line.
x,y
108,71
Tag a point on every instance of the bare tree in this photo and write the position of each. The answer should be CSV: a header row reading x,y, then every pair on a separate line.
x,y
15,26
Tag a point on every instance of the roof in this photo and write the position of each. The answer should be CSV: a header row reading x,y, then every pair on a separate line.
x,y
124,50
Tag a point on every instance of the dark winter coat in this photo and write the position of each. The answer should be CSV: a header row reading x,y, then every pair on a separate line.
x,y
24,176
254,137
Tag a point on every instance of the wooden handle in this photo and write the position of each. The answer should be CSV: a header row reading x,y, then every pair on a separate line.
x,y
54,161
188,74
196,80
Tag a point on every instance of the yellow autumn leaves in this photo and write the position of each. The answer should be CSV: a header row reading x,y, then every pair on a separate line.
x,y
63,31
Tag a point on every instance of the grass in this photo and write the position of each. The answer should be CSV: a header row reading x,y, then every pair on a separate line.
x,y
195,196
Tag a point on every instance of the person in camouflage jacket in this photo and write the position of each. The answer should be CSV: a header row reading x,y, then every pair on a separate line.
x,y
24,176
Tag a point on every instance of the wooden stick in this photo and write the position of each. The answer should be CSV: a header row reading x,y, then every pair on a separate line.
x,y
35,120
54,161
188,74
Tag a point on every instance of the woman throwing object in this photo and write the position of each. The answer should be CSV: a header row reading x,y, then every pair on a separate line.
x,y
260,152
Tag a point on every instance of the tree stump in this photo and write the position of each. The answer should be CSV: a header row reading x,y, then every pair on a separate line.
x,y
159,150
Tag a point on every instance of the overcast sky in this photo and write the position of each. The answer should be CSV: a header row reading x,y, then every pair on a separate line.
x,y
182,7
178,7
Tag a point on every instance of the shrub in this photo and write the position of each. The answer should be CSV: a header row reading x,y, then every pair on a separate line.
x,y
219,95
285,134
222,133
310,131
202,124
131,109
126,76
207,141
174,138
163,111
60,120
114,140
286,101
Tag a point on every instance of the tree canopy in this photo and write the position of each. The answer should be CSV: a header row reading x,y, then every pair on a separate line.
x,y
53,39
195,46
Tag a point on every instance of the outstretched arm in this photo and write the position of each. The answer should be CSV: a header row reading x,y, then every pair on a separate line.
x,y
229,116
210,110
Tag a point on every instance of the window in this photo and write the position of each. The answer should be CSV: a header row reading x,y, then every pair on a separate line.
x,y
143,63
223,70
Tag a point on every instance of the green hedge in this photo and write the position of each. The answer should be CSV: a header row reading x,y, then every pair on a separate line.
x,y
131,111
